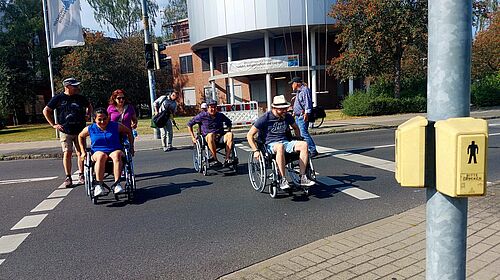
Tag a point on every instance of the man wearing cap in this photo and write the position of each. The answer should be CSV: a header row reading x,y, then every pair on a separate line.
x,y
204,106
273,128
167,102
302,108
212,128
73,110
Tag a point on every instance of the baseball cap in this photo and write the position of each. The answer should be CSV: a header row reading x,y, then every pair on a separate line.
x,y
212,102
295,80
203,105
71,82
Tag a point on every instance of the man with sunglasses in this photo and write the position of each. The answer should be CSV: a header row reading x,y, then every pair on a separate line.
x,y
73,110
273,128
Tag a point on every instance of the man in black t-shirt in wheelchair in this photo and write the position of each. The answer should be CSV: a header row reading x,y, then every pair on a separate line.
x,y
273,127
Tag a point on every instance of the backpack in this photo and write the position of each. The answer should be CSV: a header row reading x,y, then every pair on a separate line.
x,y
160,119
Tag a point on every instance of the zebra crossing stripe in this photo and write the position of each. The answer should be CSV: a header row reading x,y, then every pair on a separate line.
x,y
9,243
29,222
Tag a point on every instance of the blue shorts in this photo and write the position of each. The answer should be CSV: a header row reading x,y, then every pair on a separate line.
x,y
288,145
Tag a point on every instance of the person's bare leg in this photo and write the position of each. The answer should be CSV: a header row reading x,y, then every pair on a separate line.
x,y
100,159
228,139
279,149
67,162
211,144
301,147
116,156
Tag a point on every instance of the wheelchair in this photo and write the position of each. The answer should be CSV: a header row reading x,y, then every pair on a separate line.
x,y
127,173
201,155
264,172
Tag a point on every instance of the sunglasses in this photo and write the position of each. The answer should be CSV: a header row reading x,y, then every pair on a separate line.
x,y
120,98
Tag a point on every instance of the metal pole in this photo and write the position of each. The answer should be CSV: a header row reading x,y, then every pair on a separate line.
x,y
268,76
151,74
314,82
231,80
49,55
307,43
448,96
212,83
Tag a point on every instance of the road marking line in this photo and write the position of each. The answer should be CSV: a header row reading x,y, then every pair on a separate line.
x,y
9,243
348,190
59,193
2,260
243,147
494,134
494,124
357,193
47,204
365,160
16,181
29,221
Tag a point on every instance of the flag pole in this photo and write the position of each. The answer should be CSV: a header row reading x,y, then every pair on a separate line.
x,y
49,54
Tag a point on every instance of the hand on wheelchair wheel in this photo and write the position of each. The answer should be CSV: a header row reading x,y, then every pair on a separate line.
x,y
256,154
193,139
82,156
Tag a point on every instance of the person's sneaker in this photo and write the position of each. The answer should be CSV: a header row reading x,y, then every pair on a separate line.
x,y
118,189
284,184
98,190
313,153
228,163
68,183
169,149
81,178
165,149
305,182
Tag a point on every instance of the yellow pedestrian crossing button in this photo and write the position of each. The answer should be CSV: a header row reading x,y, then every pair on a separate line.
x,y
461,156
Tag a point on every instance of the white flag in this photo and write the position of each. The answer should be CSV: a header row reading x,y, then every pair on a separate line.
x,y
65,24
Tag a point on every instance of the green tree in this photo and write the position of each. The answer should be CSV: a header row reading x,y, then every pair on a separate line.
x,y
123,15
486,50
23,59
174,10
374,36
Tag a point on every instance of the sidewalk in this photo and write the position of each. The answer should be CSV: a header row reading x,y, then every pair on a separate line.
x,y
391,248
52,148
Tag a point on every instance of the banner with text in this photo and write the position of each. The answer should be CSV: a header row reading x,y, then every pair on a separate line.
x,y
263,63
65,23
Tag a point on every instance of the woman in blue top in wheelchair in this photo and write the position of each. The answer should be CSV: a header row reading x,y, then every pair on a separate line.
x,y
106,143
274,128
212,129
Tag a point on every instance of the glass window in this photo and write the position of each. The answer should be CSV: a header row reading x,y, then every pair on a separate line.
x,y
205,60
189,96
186,64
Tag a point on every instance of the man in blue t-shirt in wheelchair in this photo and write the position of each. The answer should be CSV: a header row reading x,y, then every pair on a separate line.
x,y
273,128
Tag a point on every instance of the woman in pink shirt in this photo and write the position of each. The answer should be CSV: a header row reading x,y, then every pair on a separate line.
x,y
121,111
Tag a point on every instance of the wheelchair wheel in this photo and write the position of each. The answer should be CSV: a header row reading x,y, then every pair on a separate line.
x,y
311,173
273,187
257,172
234,158
130,185
205,163
197,157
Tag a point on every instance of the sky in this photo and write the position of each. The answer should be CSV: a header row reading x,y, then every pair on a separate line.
x,y
88,21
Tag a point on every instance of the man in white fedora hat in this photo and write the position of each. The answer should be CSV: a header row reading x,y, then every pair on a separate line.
x,y
273,127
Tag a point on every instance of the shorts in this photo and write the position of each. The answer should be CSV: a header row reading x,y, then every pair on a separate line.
x,y
67,141
289,146
219,138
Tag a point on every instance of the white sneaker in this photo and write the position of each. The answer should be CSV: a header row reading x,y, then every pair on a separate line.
x,y
98,190
305,182
284,184
118,189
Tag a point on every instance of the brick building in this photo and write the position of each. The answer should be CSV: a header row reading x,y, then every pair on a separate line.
x,y
267,43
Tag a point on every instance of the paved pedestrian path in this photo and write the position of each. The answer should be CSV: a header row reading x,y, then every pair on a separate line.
x,y
52,148
391,248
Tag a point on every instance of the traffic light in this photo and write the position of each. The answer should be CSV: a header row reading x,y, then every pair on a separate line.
x,y
160,58
149,56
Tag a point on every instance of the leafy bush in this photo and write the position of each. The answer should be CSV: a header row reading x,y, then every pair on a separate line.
x,y
486,92
369,104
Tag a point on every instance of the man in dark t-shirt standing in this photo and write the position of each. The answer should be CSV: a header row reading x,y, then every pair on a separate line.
x,y
273,128
73,110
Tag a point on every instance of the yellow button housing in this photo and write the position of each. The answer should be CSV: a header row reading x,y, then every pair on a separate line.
x,y
410,152
461,156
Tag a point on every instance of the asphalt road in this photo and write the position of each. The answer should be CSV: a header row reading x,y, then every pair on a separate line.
x,y
184,225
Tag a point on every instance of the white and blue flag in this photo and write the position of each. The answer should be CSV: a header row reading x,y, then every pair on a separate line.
x,y
65,24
